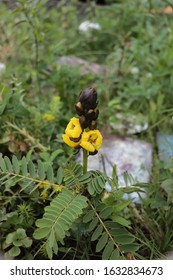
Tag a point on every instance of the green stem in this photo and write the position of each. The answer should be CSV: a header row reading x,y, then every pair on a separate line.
x,y
85,161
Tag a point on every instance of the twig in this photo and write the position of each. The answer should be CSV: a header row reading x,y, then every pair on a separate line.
x,y
31,139
36,48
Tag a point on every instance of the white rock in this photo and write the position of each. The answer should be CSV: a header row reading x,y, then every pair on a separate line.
x,y
129,123
133,160
134,70
86,25
2,67
149,75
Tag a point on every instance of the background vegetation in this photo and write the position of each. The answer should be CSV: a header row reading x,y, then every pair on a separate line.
x,y
36,102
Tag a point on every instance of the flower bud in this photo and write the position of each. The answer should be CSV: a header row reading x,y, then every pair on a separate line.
x,y
88,98
83,122
93,125
79,108
92,114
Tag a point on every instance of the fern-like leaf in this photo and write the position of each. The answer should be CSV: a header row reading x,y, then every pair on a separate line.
x,y
58,218
31,168
41,170
112,239
50,175
96,183
8,164
15,163
74,177
3,165
28,175
24,167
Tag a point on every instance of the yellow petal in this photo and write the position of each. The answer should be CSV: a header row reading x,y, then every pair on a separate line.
x,y
87,146
98,142
69,142
91,140
73,129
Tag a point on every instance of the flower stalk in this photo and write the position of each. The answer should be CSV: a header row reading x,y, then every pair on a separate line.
x,y
85,161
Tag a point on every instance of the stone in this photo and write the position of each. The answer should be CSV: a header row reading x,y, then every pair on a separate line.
x,y
128,124
2,67
85,66
89,25
165,146
131,156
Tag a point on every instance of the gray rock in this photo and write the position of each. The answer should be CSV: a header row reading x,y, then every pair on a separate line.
x,y
2,67
133,160
128,124
86,25
85,66
165,146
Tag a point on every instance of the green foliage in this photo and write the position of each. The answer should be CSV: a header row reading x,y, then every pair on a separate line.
x,y
112,239
17,239
97,182
58,218
64,210
12,102
74,177
30,177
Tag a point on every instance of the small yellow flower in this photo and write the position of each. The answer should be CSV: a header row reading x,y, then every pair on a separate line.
x,y
44,195
69,142
91,140
48,117
57,188
56,99
44,184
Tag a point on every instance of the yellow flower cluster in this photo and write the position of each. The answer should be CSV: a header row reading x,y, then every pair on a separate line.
x,y
76,137
48,117
46,185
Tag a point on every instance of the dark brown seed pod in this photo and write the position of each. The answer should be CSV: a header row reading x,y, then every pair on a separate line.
x,y
93,125
92,114
79,108
83,122
88,98
96,113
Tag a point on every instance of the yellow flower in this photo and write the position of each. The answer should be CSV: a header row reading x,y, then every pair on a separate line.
x,y
57,188
73,129
69,142
72,133
44,195
48,117
44,184
91,140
